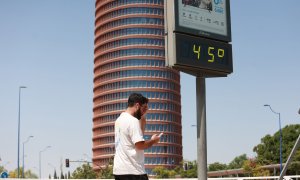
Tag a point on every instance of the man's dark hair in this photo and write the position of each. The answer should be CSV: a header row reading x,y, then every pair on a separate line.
x,y
137,98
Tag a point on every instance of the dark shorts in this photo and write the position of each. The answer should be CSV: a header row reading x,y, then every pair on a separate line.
x,y
131,177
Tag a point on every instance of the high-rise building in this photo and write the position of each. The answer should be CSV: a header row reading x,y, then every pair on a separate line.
x,y
130,57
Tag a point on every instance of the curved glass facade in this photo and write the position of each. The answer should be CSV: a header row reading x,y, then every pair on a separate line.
x,y
130,57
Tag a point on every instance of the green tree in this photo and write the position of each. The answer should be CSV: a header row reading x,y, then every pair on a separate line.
x,y
268,150
172,173
217,166
191,172
30,175
2,169
253,168
294,168
237,162
62,175
14,173
107,171
54,175
27,174
161,172
179,168
84,172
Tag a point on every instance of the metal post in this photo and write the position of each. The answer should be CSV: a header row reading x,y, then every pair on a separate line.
x,y
280,140
201,129
280,136
19,115
23,163
40,165
294,150
296,146
19,133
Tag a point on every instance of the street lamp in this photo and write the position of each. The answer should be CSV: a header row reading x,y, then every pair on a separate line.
x,y
23,154
40,166
21,87
280,137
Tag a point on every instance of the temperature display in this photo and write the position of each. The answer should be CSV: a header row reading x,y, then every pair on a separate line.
x,y
204,54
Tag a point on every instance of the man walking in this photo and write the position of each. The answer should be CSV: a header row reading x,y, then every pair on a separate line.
x,y
129,141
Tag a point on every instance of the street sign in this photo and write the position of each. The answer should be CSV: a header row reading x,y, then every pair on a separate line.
x,y
4,174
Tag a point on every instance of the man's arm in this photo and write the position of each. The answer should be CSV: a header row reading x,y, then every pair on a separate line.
x,y
142,145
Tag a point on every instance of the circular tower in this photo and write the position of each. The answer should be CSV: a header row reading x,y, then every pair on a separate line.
x,y
130,57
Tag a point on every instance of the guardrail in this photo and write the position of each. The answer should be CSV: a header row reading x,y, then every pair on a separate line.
x,y
262,177
293,177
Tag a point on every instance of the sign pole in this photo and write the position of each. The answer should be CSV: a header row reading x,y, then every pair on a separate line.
x,y
201,128
294,150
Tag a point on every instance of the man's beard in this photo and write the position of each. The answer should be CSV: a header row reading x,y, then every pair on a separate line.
x,y
138,114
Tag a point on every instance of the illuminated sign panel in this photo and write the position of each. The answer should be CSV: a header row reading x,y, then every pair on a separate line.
x,y
202,54
206,18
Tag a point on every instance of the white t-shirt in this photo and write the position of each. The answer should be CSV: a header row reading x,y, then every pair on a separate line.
x,y
128,159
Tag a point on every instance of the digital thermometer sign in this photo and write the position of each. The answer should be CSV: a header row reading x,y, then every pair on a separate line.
x,y
198,37
203,54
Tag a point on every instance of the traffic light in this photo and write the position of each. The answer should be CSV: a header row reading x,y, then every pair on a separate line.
x,y
67,163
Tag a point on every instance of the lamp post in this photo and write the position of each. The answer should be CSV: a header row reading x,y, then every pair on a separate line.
x,y
23,154
21,87
280,137
40,166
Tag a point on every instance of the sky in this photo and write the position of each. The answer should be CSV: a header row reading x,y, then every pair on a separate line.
x,y
47,46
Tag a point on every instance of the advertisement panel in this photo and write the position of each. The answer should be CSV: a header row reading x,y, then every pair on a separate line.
x,y
206,18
